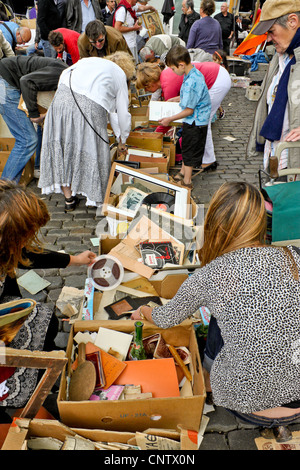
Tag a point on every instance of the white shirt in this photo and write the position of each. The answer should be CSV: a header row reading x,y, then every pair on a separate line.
x,y
125,17
105,83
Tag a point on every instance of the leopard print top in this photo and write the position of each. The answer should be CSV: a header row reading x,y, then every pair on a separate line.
x,y
256,301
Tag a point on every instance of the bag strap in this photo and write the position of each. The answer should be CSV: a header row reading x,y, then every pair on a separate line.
x,y
107,142
296,248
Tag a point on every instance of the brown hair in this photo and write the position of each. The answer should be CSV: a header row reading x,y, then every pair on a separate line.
x,y
22,214
208,7
236,218
176,55
147,73
55,38
9,331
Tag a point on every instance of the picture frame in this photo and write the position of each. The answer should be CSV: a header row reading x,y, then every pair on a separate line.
x,y
182,195
153,23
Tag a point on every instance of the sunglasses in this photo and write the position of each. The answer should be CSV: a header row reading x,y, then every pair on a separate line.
x,y
100,41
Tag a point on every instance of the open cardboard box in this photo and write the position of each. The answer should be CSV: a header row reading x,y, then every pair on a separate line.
x,y
23,429
137,415
139,116
146,159
6,146
121,175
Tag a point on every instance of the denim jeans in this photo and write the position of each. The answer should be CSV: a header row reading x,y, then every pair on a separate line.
x,y
265,422
49,51
21,129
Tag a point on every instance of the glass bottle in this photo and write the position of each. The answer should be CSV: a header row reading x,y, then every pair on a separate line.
x,y
137,351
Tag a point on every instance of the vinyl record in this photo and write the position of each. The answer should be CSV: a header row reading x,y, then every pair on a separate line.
x,y
106,272
162,201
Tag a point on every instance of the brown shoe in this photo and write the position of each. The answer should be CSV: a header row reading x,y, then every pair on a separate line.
x,y
187,185
179,177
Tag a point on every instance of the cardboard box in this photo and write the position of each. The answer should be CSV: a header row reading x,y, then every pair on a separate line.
x,y
111,205
137,415
139,116
23,429
239,82
161,161
253,92
146,140
6,145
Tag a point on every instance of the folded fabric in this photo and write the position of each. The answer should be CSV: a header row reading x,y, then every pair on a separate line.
x,y
255,59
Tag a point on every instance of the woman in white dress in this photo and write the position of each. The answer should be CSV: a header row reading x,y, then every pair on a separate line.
x,y
75,156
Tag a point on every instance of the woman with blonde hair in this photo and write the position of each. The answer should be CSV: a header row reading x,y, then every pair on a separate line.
x,y
22,215
75,156
252,291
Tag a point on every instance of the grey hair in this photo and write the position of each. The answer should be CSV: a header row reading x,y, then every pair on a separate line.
x,y
144,52
282,20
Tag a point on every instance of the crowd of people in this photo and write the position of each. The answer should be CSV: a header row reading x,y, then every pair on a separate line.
x,y
91,53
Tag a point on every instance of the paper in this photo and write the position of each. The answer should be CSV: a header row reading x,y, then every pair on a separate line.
x,y
162,109
32,282
95,241
229,138
157,376
116,340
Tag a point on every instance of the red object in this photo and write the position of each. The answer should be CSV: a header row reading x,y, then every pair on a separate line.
x,y
128,8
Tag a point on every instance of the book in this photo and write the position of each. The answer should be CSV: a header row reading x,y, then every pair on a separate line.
x,y
15,310
123,307
161,109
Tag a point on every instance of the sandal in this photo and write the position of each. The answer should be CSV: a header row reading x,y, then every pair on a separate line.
x,y
187,185
71,203
179,177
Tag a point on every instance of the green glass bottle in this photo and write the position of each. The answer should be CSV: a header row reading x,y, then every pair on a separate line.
x,y
137,351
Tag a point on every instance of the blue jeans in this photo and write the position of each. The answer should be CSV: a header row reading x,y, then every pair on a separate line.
x,y
21,129
31,49
265,422
49,51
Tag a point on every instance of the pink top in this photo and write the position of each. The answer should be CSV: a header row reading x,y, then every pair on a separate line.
x,y
171,83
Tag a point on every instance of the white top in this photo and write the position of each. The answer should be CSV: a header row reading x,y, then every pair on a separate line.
x,y
125,17
105,83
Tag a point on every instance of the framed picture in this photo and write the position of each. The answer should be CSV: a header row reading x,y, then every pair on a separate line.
x,y
153,23
121,174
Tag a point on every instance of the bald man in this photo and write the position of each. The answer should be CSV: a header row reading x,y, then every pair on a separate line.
x,y
14,34
226,21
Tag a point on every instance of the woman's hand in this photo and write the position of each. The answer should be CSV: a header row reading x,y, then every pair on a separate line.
x,y
142,313
86,257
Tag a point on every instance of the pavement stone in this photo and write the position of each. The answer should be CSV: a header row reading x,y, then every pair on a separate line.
x,y
72,231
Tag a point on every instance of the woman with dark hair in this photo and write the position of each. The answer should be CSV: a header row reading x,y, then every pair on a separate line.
x,y
206,33
252,291
22,214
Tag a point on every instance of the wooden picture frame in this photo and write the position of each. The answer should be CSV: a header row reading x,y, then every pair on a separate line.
x,y
53,362
153,23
